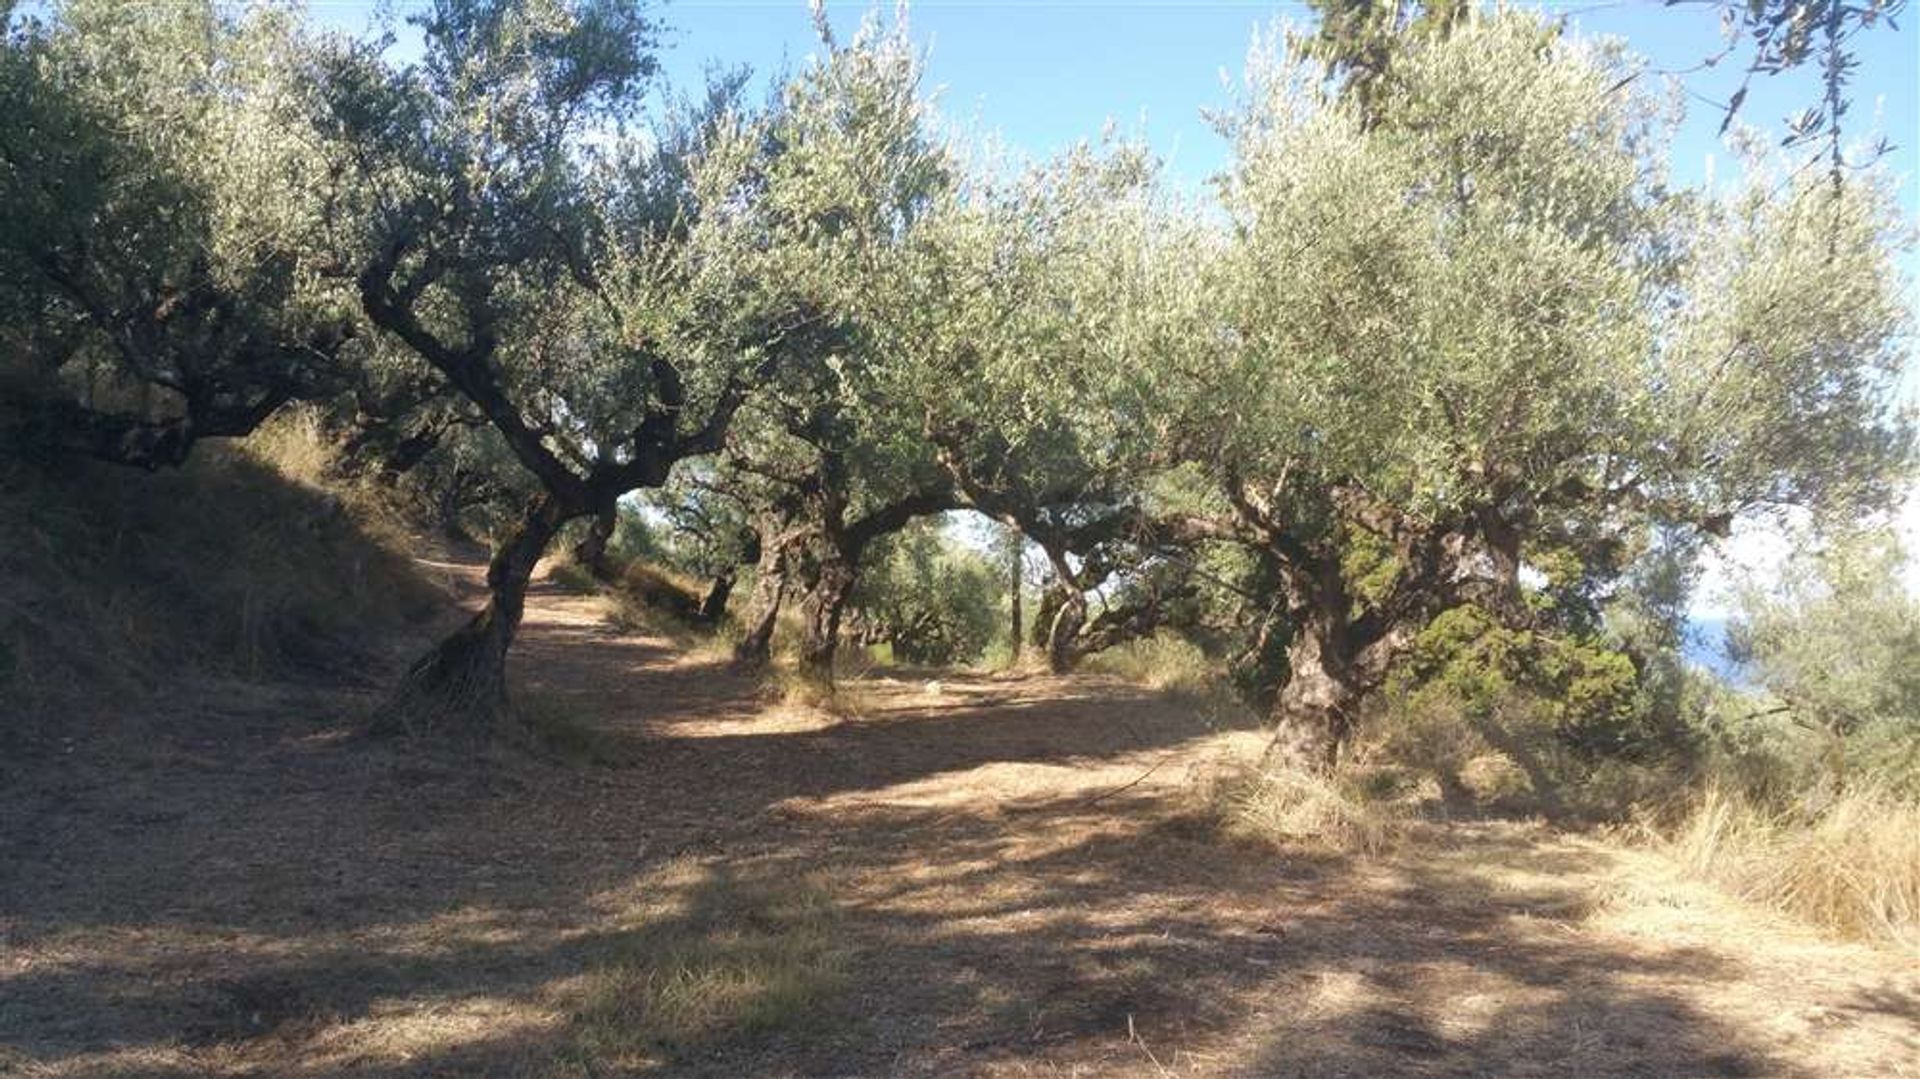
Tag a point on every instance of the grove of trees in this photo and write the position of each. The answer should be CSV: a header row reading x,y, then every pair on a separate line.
x,y
1445,360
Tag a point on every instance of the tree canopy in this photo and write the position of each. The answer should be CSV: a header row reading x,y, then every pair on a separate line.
x,y
1446,346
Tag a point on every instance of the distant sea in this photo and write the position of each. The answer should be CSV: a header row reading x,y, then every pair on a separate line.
x,y
1706,645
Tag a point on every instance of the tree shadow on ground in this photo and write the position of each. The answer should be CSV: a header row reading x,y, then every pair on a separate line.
x,y
1079,936
304,906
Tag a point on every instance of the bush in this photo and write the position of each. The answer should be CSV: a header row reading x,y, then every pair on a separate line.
x,y
1526,721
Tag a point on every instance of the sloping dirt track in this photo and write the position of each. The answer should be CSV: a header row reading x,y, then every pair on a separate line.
x,y
1007,878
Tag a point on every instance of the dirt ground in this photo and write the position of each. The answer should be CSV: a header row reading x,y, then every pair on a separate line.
x,y
993,877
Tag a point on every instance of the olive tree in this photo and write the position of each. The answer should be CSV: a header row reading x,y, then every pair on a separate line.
x,y
162,278
597,294
1047,278
1834,639
1474,324
859,175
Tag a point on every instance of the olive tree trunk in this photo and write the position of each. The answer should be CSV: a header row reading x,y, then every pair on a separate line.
x,y
713,604
591,551
769,588
1063,636
821,611
1315,711
1015,623
459,689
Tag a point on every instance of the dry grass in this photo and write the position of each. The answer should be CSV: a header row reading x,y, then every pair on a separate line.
x,y
1285,806
724,959
851,695
243,562
1851,866
1175,667
653,602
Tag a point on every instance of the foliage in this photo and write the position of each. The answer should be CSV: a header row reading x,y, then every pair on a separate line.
x,y
933,599
1526,718
1835,641
159,278
1471,324
1445,327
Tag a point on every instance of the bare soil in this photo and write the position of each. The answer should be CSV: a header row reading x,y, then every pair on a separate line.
x,y
1021,884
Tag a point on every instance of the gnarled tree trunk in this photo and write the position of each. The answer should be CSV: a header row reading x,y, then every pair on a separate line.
x,y
821,611
591,551
459,689
1064,633
713,605
1043,615
1317,708
769,588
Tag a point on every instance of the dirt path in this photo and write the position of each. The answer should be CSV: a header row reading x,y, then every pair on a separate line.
x,y
974,877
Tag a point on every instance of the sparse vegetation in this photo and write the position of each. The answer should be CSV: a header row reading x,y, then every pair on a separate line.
x,y
1293,806
247,561
1176,667
555,728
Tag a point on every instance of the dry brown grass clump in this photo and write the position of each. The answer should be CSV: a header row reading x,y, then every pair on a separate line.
x,y
724,960
1851,865
1290,806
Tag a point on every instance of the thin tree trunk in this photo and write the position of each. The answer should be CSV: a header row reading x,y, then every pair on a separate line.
x,y
459,689
1015,622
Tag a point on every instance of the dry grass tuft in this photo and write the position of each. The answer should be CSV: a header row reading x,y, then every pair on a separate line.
x,y
851,696
1851,866
1287,806
736,959
1175,667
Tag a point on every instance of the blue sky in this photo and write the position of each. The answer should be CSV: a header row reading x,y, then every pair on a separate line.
x,y
1045,74
1042,74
